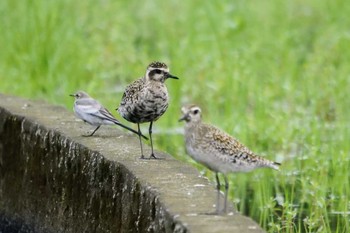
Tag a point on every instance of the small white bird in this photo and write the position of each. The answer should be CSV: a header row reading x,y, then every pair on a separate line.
x,y
92,112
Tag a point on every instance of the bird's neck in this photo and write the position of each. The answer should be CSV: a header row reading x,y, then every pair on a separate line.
x,y
192,126
155,84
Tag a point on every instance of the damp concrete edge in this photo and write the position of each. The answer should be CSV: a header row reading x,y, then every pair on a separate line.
x,y
54,180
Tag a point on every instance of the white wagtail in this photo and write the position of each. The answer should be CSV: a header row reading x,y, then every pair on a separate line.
x,y
146,99
92,112
218,151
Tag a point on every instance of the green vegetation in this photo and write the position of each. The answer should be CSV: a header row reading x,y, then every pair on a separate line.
x,y
275,74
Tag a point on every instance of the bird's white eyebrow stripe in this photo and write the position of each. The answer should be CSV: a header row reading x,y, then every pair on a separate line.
x,y
156,68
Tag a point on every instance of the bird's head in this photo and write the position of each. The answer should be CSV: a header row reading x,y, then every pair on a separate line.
x,y
80,95
191,114
158,71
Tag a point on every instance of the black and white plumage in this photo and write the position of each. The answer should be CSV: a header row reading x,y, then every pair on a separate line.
x,y
91,111
147,99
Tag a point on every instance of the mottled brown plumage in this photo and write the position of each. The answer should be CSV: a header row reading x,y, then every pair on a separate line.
x,y
146,99
217,150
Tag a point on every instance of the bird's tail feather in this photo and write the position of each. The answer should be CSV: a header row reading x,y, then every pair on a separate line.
x,y
275,165
130,129
108,115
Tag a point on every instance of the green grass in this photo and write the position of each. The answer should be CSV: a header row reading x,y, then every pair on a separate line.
x,y
275,74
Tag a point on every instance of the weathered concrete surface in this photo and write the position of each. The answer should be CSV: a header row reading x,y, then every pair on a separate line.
x,y
54,180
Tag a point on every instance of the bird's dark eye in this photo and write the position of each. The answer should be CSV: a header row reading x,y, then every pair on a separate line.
x,y
158,71
195,112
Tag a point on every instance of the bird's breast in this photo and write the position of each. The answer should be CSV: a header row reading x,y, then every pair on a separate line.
x,y
150,104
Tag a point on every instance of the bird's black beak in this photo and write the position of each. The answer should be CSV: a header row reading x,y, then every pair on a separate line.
x,y
168,75
72,95
184,118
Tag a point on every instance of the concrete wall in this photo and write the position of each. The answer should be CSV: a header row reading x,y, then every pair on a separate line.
x,y
54,180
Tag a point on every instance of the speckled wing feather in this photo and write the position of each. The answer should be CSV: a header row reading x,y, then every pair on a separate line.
x,y
225,144
239,154
143,102
131,93
131,104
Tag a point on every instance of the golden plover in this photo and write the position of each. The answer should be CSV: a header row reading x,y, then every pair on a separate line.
x,y
92,112
146,99
218,151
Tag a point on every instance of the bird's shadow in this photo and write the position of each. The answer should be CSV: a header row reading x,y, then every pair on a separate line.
x,y
218,213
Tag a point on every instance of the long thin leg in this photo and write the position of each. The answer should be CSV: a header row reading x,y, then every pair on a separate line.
x,y
139,130
150,136
89,135
218,193
226,193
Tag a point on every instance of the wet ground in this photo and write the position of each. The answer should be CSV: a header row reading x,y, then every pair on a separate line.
x,y
11,225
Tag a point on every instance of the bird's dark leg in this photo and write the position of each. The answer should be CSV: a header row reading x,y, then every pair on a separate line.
x,y
139,130
226,193
89,135
150,135
218,193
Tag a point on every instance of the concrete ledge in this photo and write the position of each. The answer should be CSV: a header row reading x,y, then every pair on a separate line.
x,y
54,180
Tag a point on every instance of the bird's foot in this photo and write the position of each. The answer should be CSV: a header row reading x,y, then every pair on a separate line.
x,y
86,135
152,156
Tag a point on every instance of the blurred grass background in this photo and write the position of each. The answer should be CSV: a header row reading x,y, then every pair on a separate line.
x,y
274,74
